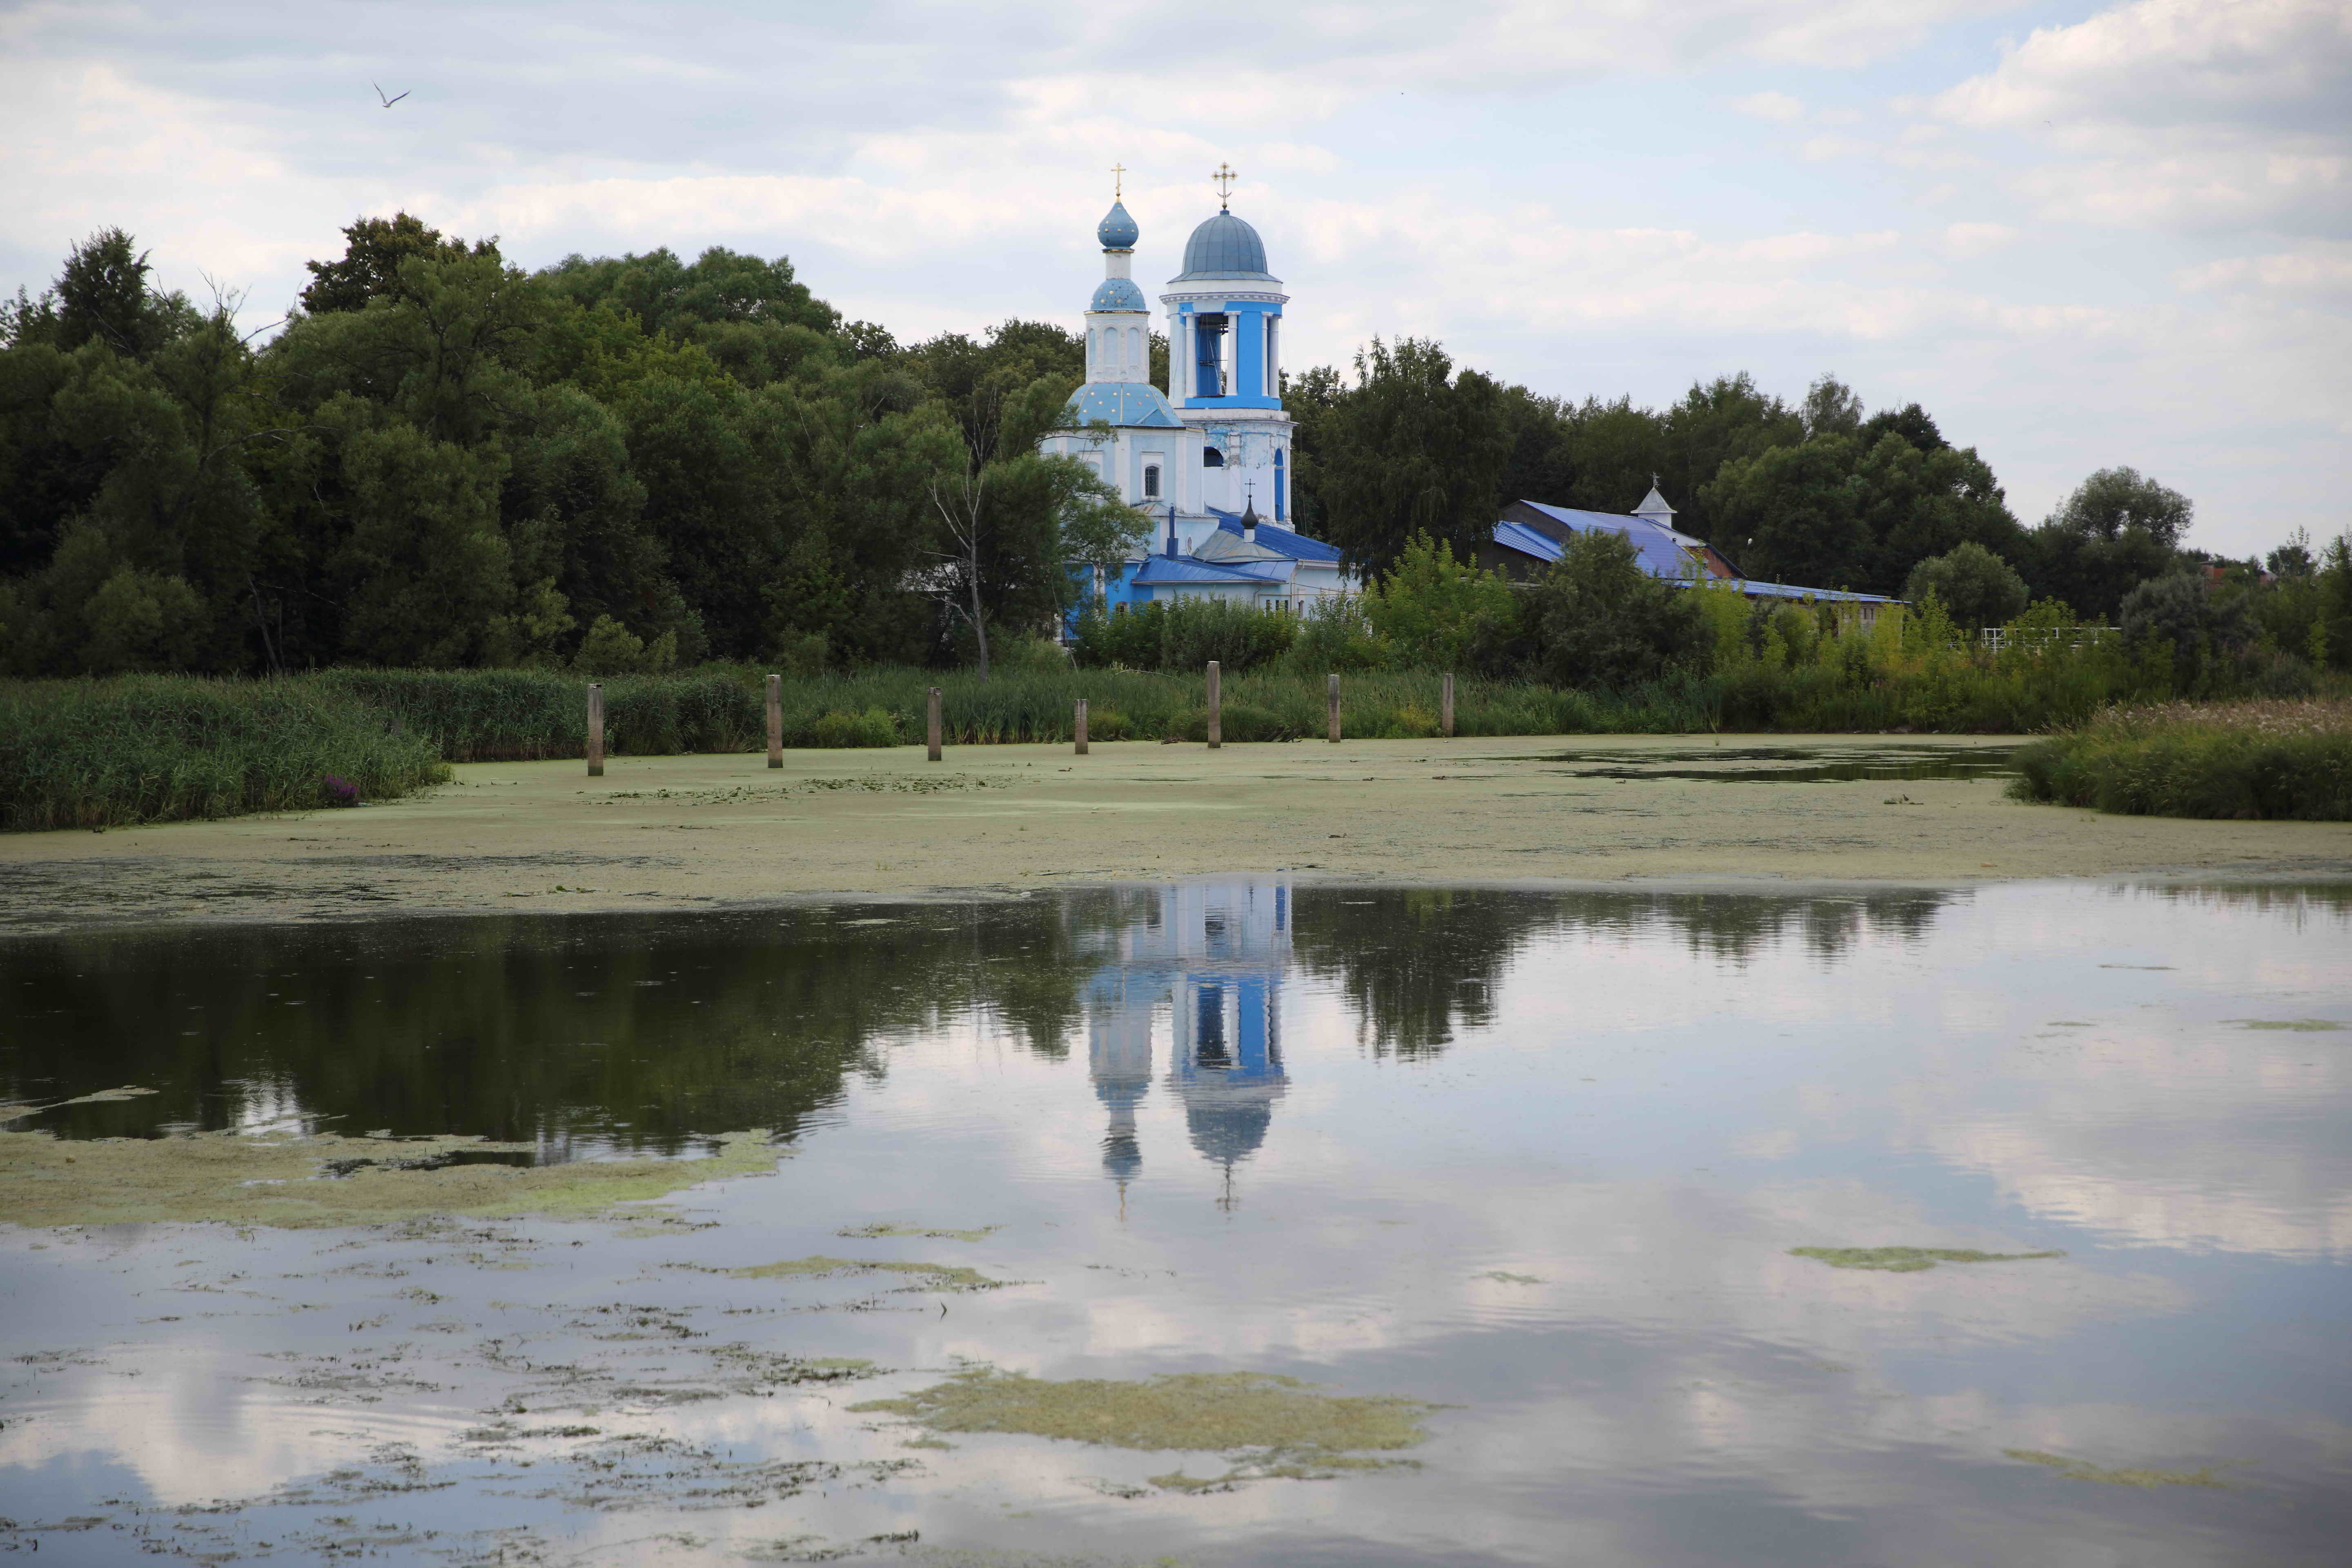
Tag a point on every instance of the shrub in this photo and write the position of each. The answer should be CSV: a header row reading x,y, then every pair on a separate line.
x,y
2261,759
1336,636
874,727
1979,588
1434,611
1599,619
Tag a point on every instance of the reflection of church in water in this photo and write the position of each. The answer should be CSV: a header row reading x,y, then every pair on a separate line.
x,y
1202,973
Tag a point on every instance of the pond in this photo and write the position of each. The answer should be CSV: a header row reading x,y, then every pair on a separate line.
x,y
1232,1221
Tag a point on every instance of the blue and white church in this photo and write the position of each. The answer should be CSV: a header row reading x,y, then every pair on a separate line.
x,y
1209,458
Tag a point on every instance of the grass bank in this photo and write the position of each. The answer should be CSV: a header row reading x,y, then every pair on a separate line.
x,y
154,748
2289,761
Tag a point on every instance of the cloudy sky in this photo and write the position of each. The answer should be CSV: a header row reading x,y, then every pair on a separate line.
x,y
2079,234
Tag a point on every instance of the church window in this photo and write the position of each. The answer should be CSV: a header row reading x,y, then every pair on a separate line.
x,y
1281,478
1208,355
1135,345
1211,459
1273,357
1151,481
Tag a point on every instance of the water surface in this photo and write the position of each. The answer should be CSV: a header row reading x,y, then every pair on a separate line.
x,y
1541,1158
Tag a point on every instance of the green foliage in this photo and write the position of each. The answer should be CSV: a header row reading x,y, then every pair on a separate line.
x,y
369,268
1432,611
2119,529
611,649
2183,612
874,727
2273,759
1981,589
1182,635
106,754
1413,449
1599,619
1336,636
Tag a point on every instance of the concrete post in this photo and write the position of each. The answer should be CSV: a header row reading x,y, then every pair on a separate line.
x,y
1217,703
775,721
931,723
596,730
1331,699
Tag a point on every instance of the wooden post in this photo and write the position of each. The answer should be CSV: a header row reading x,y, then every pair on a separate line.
x,y
1331,696
596,730
775,721
931,725
1216,703
1078,725
1445,707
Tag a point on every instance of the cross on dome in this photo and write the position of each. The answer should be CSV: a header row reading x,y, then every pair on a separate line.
x,y
1223,180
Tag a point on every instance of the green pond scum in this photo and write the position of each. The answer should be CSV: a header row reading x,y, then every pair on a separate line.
x,y
874,1232
2300,1025
931,1276
299,1182
1273,1427
2081,1471
1908,1259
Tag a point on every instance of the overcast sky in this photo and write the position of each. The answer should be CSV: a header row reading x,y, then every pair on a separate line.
x,y
2079,235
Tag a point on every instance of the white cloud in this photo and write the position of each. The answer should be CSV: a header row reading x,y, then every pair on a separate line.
x,y
2316,268
1777,106
2182,114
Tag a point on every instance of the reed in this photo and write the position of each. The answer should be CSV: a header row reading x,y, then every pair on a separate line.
x,y
2278,759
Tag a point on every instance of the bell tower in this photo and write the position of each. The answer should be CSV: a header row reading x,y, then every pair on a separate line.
x,y
1225,360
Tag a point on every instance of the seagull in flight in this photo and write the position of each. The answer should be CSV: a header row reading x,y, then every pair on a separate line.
x,y
388,102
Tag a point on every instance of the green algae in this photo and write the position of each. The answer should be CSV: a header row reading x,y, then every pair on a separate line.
x,y
2300,1025
1277,1427
283,1180
934,1275
2081,1471
1505,1276
1908,1259
875,1232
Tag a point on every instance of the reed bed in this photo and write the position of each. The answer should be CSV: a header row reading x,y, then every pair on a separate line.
x,y
158,748
2276,759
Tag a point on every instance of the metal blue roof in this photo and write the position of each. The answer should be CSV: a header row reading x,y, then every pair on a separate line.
x,y
1117,231
1518,536
1123,403
1275,537
1755,590
1117,294
1225,246
1164,571
1654,545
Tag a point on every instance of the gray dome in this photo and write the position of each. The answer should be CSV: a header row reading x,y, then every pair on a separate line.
x,y
1117,294
1225,246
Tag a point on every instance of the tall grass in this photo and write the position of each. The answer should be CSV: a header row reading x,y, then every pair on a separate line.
x,y
156,748
2276,759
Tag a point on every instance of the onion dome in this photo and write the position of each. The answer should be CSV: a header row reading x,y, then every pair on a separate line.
x,y
1225,246
1117,231
1117,294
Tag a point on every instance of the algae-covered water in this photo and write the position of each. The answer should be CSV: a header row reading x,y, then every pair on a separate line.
x,y
1216,1224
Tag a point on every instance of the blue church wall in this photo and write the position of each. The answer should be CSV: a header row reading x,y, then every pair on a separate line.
x,y
1247,319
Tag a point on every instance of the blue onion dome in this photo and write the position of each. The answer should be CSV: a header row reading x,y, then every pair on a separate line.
x,y
1117,294
1117,231
1225,246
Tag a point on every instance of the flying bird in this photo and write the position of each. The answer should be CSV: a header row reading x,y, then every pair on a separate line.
x,y
388,102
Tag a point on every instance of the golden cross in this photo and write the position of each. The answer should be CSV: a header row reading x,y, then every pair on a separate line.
x,y
1118,181
1223,178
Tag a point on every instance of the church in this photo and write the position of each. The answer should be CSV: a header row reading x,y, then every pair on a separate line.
x,y
1209,458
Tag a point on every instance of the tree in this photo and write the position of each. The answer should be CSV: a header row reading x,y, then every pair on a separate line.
x,y
1977,588
1412,448
2183,612
1434,610
374,252
1600,619
1830,408
1716,424
1794,514
2118,529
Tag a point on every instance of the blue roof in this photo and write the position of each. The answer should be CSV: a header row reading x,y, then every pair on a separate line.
x,y
1117,231
1518,536
1654,545
1281,539
1123,403
1117,294
1169,570
1755,590
1225,246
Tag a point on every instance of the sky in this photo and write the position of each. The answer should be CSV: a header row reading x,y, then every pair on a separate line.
x,y
2079,235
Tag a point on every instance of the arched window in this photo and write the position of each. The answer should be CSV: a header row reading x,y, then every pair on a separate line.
x,y
1135,345
1151,481
1211,459
1281,483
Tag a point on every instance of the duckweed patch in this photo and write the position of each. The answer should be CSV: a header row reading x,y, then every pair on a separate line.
x,y
285,1180
1908,1259
1275,1427
934,1275
2300,1025
2081,1471
874,1232
1505,1276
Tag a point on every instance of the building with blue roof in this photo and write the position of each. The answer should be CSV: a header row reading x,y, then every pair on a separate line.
x,y
1208,459
1530,536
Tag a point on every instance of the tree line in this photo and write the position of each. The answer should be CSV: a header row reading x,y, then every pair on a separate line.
x,y
628,463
